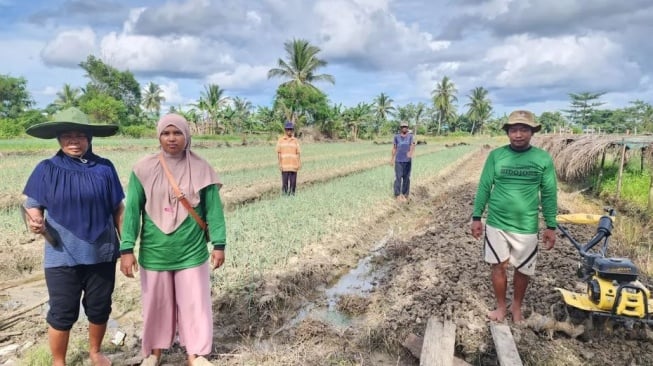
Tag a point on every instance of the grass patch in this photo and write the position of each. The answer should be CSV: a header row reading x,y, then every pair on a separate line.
x,y
40,355
267,234
634,187
37,356
633,232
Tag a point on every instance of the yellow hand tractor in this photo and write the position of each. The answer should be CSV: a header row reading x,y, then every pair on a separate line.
x,y
613,289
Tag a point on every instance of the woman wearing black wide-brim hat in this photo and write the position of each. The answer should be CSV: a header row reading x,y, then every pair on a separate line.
x,y
75,200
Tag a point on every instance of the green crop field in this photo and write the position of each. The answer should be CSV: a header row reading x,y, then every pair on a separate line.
x,y
337,183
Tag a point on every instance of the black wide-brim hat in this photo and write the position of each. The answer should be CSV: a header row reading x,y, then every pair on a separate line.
x,y
70,119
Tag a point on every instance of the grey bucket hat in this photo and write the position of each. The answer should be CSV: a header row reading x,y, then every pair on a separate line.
x,y
70,119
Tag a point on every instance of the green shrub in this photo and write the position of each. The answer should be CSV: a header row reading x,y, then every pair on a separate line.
x,y
634,187
138,131
10,128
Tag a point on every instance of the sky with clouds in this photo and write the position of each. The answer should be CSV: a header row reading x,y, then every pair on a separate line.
x,y
527,53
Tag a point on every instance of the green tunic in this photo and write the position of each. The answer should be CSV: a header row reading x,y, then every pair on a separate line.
x,y
512,185
184,248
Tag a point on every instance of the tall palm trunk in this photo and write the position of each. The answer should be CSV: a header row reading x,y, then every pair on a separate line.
x,y
439,122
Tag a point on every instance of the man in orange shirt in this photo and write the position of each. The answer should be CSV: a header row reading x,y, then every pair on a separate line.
x,y
289,162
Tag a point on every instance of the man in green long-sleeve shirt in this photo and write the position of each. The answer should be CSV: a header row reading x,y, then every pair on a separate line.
x,y
516,179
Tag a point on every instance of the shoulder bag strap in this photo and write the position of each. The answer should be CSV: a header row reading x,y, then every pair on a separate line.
x,y
180,195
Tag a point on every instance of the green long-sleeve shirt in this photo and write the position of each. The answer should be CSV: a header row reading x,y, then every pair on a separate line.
x,y
186,247
512,186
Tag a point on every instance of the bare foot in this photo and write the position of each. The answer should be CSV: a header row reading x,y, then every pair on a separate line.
x,y
99,359
497,315
517,316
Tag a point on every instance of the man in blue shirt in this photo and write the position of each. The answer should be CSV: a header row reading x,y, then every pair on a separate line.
x,y
402,153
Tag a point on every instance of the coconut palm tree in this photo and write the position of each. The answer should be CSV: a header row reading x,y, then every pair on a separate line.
x,y
403,113
191,115
333,122
444,97
243,110
356,116
301,65
228,118
419,111
152,98
68,97
266,118
480,108
211,102
382,109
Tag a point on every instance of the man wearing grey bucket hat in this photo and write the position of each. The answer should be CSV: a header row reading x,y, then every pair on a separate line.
x,y
516,180
521,117
74,199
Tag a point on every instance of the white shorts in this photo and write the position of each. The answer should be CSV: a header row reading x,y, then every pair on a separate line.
x,y
500,245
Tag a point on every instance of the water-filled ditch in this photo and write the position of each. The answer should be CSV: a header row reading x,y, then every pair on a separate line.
x,y
360,281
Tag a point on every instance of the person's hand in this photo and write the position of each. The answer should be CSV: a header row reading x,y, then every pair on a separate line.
x,y
549,238
392,162
128,264
410,155
35,221
217,258
36,226
477,229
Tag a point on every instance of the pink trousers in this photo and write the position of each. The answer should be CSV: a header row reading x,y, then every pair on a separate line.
x,y
177,302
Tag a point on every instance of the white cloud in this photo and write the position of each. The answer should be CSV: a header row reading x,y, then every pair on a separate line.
x,y
172,93
523,51
49,91
132,19
226,19
241,77
547,18
181,55
170,13
593,61
427,76
345,27
366,32
254,18
69,47
489,9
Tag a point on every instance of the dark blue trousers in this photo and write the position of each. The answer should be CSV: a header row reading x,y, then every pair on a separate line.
x,y
288,182
402,178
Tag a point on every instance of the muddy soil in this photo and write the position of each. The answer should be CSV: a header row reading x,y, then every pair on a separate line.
x,y
427,266
439,273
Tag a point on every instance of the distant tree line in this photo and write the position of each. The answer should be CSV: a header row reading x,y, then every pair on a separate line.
x,y
114,96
